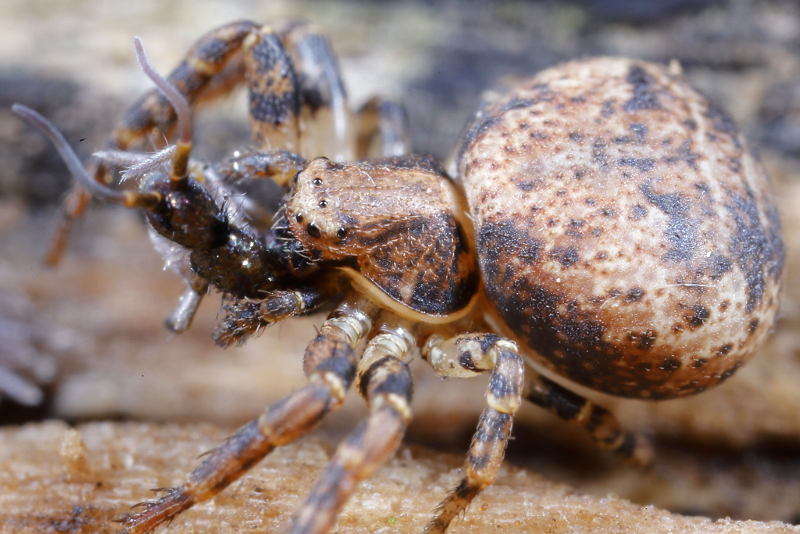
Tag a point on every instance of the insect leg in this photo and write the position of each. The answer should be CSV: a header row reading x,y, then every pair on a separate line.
x,y
601,424
385,382
209,68
330,364
464,356
73,206
382,129
188,303
244,317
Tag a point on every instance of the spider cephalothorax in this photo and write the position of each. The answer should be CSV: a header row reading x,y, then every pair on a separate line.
x,y
395,222
606,221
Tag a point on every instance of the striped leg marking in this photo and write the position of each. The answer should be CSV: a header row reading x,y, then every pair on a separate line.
x,y
601,424
385,382
464,356
330,364
273,92
207,59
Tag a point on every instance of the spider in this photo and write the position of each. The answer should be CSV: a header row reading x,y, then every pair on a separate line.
x,y
605,221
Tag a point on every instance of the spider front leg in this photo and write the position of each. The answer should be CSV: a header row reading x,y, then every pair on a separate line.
x,y
386,383
382,129
218,61
325,113
211,59
280,166
464,356
329,363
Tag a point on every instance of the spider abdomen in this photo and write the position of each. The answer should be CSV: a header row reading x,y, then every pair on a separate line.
x,y
625,232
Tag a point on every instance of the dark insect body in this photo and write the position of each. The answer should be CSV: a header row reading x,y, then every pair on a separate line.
x,y
603,219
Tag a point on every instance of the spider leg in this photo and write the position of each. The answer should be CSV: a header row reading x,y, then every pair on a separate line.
x,y
244,317
208,58
325,113
273,92
464,356
601,424
329,363
386,383
211,57
382,129
278,165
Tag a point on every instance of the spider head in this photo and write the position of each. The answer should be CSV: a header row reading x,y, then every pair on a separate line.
x,y
395,225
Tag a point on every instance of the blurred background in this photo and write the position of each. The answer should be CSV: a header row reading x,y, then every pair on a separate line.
x,y
85,340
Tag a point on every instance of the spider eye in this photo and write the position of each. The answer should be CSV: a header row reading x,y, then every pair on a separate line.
x,y
323,203
312,230
316,181
341,232
298,217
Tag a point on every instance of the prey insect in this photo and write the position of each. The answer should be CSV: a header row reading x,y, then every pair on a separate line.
x,y
625,266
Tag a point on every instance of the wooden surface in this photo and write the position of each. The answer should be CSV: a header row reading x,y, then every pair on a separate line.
x,y
54,479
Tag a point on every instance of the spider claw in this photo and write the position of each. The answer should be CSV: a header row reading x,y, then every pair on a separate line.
x,y
146,515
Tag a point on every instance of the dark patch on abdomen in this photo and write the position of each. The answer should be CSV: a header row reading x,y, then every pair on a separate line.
x,y
567,257
644,96
634,295
508,240
757,251
640,164
681,229
573,339
699,316
722,122
480,125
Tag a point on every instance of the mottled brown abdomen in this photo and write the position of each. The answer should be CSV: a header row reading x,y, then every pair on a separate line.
x,y
624,229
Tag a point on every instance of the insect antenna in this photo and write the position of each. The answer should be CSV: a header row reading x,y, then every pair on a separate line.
x,y
131,199
183,111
